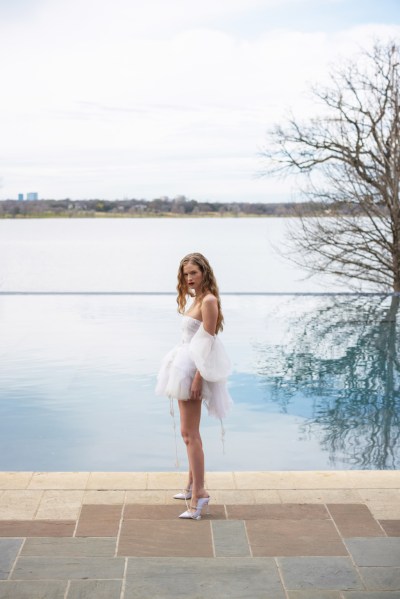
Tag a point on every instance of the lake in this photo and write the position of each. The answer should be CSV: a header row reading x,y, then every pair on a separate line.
x,y
316,378
143,254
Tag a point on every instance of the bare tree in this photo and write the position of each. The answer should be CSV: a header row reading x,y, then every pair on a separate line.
x,y
351,157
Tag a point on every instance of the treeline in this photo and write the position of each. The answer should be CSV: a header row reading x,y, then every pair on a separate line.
x,y
175,207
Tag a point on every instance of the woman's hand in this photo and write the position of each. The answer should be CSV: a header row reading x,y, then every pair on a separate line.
x,y
196,388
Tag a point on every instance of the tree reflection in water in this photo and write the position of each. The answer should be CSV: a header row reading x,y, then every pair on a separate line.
x,y
344,359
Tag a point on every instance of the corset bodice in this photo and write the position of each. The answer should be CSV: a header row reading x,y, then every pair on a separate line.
x,y
189,328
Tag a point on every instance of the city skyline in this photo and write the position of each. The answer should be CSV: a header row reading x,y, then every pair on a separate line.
x,y
30,195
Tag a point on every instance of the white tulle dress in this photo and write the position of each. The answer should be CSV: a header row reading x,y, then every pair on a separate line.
x,y
200,351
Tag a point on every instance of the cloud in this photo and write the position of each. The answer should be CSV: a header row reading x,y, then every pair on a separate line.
x,y
153,97
134,17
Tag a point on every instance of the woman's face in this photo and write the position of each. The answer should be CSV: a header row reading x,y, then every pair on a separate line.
x,y
193,276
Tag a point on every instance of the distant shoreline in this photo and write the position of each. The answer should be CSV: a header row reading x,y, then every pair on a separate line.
x,y
180,207
170,209
166,215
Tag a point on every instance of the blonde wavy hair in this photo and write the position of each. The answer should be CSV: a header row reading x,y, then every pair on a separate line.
x,y
209,285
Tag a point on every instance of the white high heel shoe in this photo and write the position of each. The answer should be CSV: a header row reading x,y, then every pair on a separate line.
x,y
187,494
201,502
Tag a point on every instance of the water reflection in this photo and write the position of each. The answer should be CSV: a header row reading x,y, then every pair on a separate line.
x,y
342,360
315,384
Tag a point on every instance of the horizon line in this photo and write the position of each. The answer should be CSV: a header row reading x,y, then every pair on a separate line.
x,y
248,293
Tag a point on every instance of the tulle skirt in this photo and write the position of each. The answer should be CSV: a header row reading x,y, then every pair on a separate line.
x,y
175,380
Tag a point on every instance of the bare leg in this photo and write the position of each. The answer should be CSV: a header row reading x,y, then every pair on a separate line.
x,y
190,479
190,413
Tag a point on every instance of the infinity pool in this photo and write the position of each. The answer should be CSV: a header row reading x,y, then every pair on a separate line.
x,y
316,383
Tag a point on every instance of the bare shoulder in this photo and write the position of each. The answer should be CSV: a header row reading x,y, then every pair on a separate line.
x,y
209,313
210,300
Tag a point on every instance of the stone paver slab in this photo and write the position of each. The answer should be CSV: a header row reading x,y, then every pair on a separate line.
x,y
230,539
229,496
292,480
295,511
384,511
225,578
9,549
379,551
265,496
117,480
63,505
372,595
381,579
380,495
104,497
77,547
165,538
220,480
99,521
45,589
167,512
314,595
159,497
15,480
153,512
59,480
354,520
331,573
64,568
19,505
373,479
175,481
320,496
95,589
37,528
391,527
260,480
270,538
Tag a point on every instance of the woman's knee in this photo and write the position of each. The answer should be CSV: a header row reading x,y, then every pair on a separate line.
x,y
189,436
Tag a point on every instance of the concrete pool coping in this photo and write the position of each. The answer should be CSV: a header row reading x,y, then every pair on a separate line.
x,y
60,494
270,535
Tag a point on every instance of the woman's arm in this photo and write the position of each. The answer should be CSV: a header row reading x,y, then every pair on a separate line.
x,y
209,313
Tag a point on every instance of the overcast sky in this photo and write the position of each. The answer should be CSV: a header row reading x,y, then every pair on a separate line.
x,y
127,98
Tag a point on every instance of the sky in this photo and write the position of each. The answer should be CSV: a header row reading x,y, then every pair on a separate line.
x,y
130,99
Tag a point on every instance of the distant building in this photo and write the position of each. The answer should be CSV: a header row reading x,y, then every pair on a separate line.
x,y
33,195
20,197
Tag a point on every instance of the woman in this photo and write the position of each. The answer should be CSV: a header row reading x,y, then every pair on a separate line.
x,y
196,369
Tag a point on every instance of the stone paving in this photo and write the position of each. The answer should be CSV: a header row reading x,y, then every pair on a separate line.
x,y
270,535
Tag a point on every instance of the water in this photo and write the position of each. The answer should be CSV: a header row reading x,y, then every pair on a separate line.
x,y
143,254
315,383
